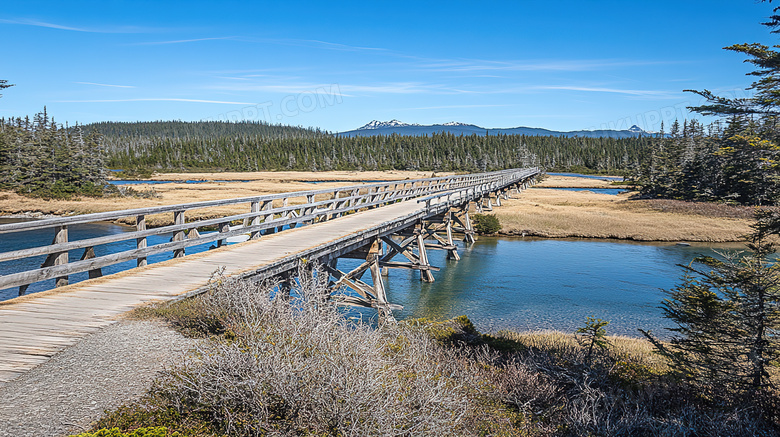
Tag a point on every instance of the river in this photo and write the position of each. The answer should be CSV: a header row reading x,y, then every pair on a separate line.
x,y
500,283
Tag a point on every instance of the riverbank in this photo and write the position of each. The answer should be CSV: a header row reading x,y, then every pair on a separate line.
x,y
543,211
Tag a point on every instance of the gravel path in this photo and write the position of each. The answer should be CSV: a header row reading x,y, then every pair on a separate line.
x,y
102,371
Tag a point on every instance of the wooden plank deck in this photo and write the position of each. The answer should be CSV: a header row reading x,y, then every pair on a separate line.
x,y
35,327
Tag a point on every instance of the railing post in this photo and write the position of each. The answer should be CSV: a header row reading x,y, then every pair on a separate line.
x,y
285,214
310,209
222,228
140,243
255,208
178,219
268,204
61,236
89,253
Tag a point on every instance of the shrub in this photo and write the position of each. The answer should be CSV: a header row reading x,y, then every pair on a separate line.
x,y
299,367
160,431
486,223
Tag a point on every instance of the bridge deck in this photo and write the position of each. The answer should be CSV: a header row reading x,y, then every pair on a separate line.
x,y
35,327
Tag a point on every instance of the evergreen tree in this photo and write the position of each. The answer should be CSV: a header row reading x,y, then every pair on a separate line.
x,y
4,84
44,159
727,318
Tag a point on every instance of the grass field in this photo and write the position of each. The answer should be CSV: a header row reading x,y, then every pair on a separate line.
x,y
539,211
545,212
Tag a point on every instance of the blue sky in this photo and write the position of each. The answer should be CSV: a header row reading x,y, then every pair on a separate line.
x,y
337,65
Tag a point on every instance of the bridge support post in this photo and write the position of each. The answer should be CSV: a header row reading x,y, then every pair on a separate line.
x,y
370,296
468,228
425,273
498,198
382,305
451,253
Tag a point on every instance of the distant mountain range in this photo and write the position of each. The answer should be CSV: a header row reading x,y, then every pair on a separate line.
x,y
397,127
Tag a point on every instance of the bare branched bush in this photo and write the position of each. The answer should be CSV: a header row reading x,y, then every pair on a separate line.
x,y
298,364
283,360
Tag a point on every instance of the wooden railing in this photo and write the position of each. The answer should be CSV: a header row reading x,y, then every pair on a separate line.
x,y
267,214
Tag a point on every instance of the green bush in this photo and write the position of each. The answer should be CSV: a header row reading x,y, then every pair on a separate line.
x,y
157,431
486,223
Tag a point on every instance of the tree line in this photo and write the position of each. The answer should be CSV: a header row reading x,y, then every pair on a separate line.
x,y
38,157
737,159
222,146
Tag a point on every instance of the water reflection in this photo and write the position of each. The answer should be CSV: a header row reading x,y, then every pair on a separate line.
x,y
531,284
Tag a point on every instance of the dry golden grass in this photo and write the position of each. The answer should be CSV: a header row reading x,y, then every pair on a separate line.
x,y
293,176
259,183
636,350
573,182
562,214
538,212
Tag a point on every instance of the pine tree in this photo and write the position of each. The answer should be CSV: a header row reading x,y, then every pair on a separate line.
x,y
4,84
727,318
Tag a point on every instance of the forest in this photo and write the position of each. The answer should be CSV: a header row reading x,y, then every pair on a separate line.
x,y
248,146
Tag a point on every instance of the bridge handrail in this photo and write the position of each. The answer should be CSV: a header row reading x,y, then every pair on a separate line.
x,y
427,200
312,210
113,215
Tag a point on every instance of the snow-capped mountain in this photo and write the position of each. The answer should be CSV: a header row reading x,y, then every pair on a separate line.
x,y
376,124
395,127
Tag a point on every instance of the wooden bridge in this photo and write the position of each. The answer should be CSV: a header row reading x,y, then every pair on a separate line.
x,y
373,222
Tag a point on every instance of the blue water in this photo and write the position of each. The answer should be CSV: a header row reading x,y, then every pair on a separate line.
x,y
150,182
536,284
367,181
589,176
612,191
500,283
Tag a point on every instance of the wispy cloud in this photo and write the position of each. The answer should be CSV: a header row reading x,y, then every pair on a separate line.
x,y
104,29
180,41
455,107
161,99
630,92
105,84
346,90
26,22
314,43
472,65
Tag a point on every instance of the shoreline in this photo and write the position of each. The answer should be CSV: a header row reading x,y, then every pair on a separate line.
x,y
537,212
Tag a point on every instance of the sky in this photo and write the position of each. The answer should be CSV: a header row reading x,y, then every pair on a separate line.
x,y
563,65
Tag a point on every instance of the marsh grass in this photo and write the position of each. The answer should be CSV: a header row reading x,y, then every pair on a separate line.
x,y
563,214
